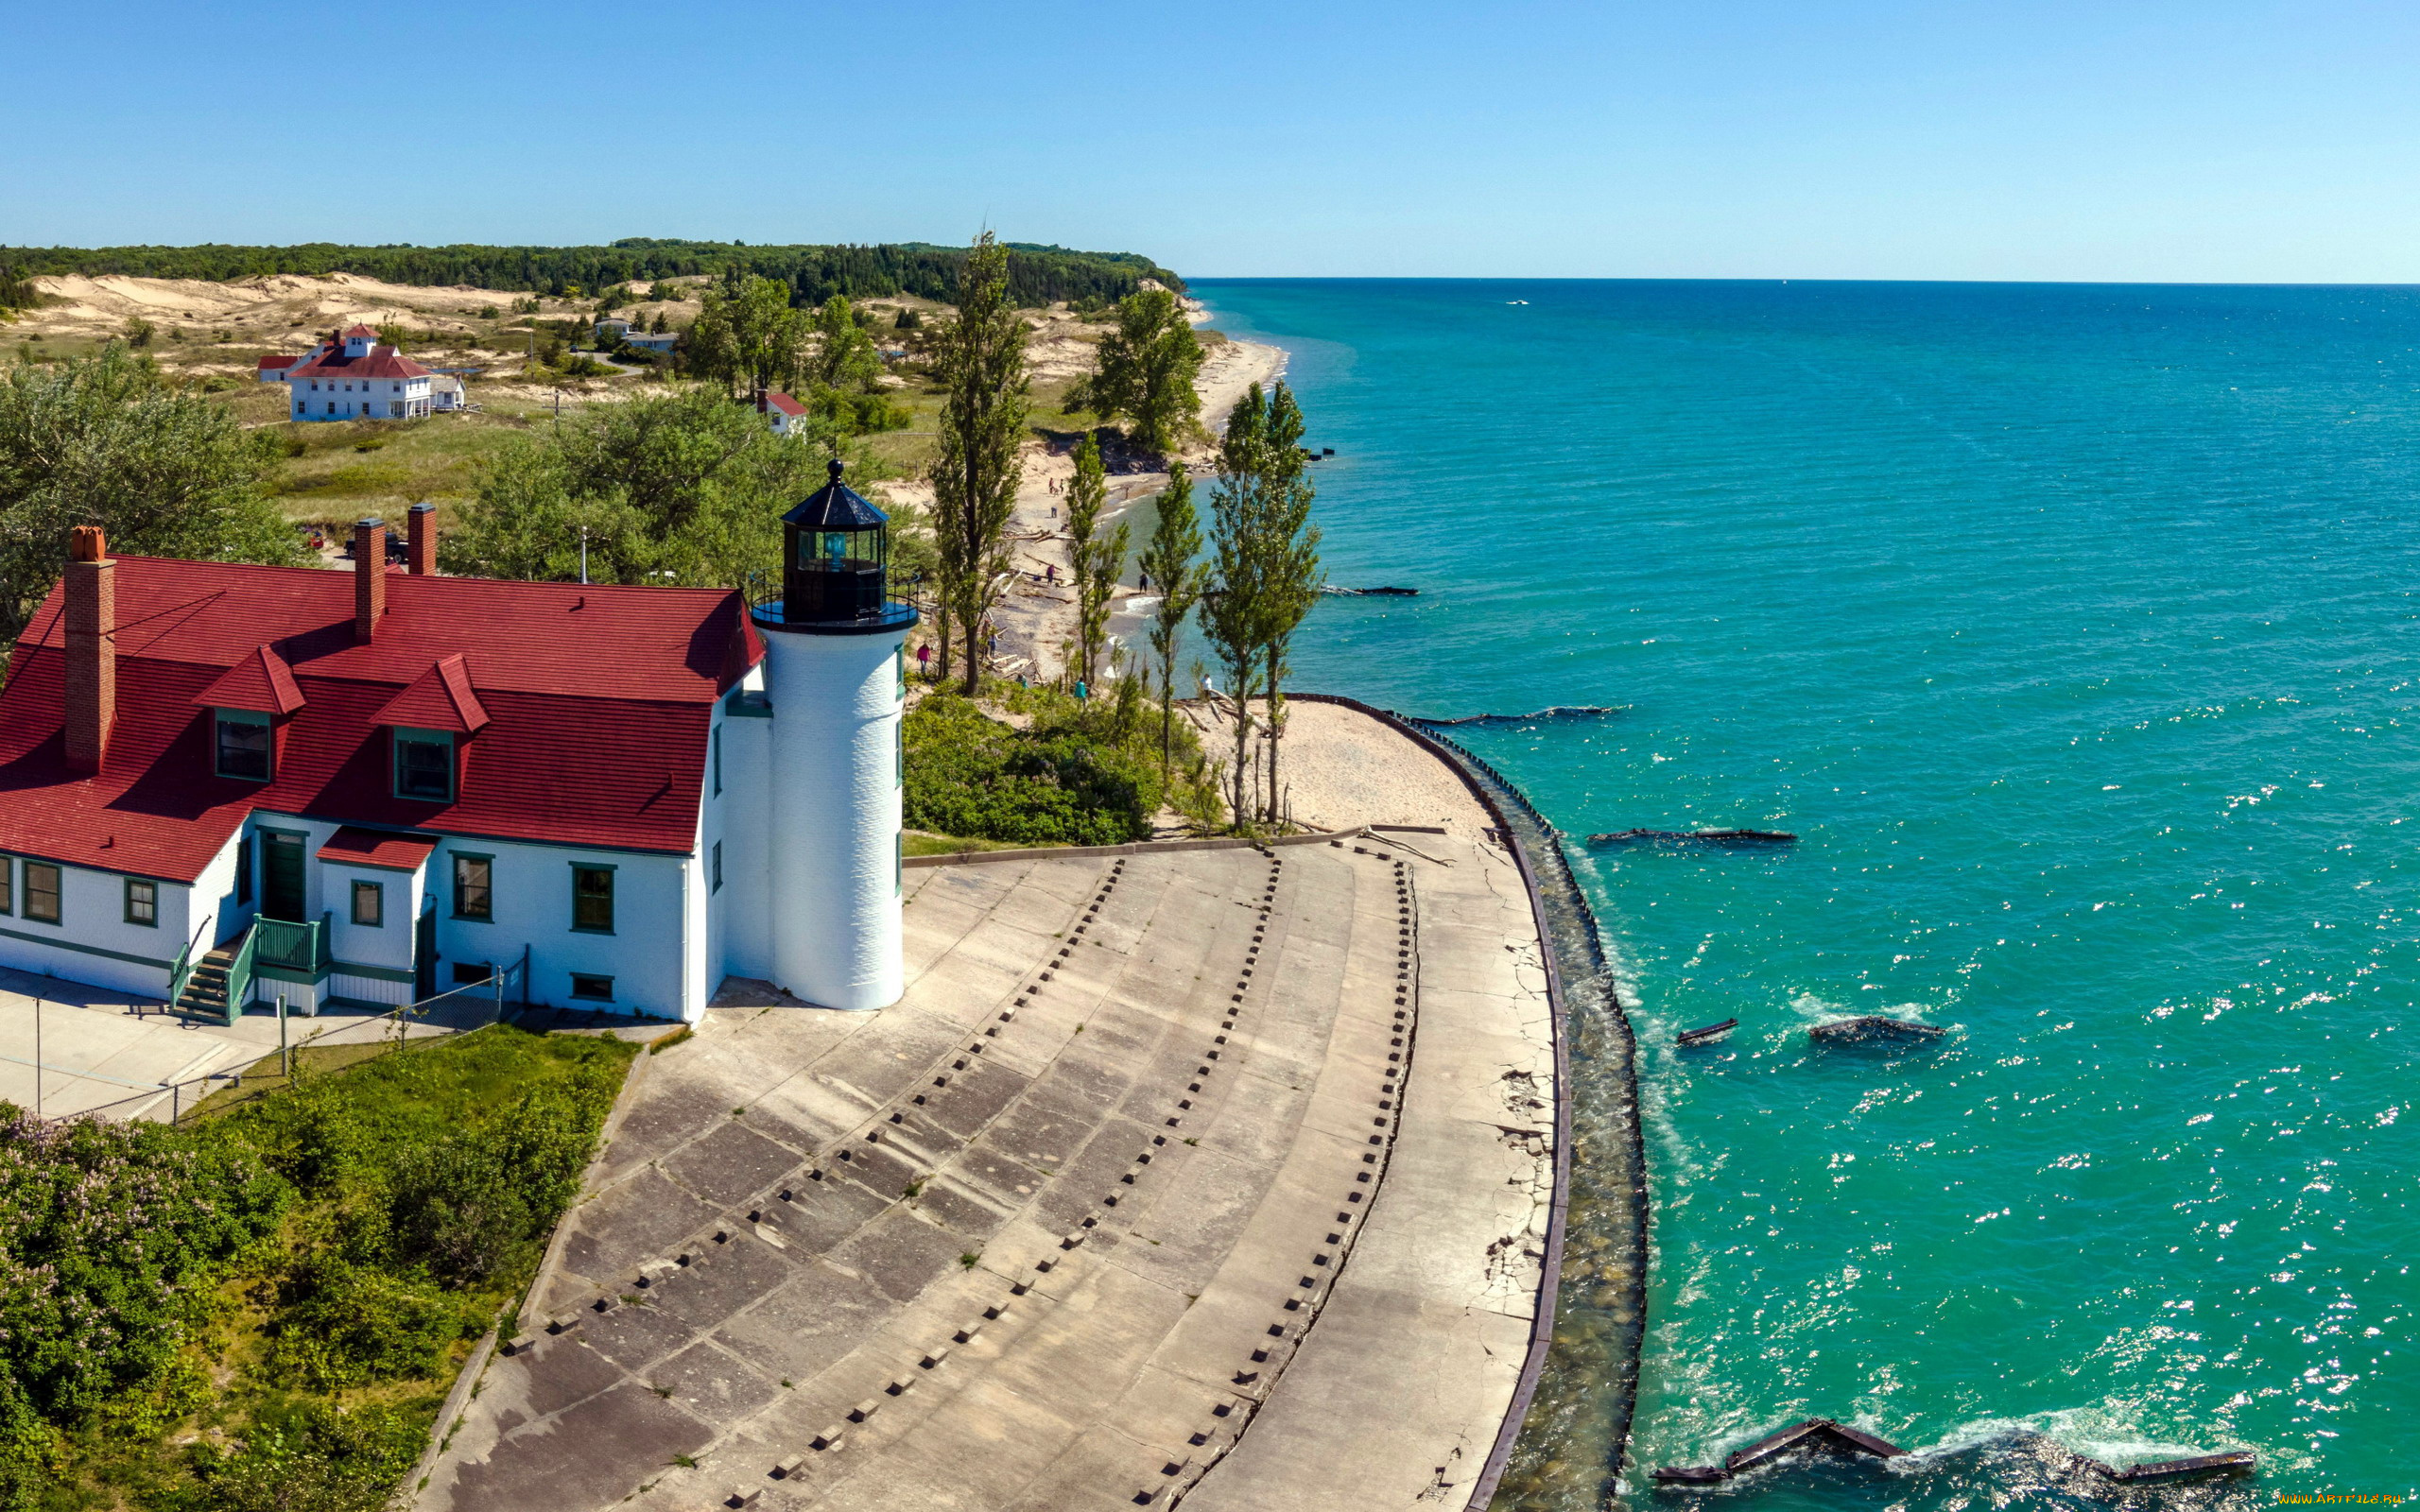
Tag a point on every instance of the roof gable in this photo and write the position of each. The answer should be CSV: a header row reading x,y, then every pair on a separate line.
x,y
439,698
261,683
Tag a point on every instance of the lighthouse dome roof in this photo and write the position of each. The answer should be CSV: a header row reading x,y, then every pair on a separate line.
x,y
836,507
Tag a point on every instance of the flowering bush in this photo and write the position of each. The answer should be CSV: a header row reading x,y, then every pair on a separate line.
x,y
279,1278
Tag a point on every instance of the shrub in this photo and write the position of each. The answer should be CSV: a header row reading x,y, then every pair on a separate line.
x,y
345,1325
1064,781
467,1203
311,1459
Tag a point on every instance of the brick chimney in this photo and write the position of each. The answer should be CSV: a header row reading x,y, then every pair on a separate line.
x,y
92,648
369,577
421,548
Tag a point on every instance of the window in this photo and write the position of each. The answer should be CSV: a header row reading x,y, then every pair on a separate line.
x,y
592,900
424,765
370,904
899,862
899,757
141,902
42,892
716,885
244,872
899,666
594,989
245,746
473,887
8,885
717,751
473,970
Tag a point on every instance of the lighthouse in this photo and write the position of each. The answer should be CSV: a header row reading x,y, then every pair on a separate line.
x,y
836,678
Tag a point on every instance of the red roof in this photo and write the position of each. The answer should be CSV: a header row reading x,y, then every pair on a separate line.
x,y
358,331
440,700
270,362
785,403
597,701
261,683
381,362
357,847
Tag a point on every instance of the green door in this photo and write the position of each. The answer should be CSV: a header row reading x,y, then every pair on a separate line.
x,y
281,877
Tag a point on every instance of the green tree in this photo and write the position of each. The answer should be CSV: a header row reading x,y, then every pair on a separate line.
x,y
1268,564
138,332
1169,562
845,357
748,336
1230,606
686,484
103,440
1289,552
1145,372
983,367
1094,560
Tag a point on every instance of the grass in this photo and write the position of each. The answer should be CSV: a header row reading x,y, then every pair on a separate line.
x,y
922,842
267,1075
226,1386
341,470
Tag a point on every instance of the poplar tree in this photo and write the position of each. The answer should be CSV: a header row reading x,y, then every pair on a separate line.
x,y
982,365
1094,560
1169,562
1289,548
1145,372
1231,610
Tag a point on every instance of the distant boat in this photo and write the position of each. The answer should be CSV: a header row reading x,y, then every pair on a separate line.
x,y
1516,301
1370,593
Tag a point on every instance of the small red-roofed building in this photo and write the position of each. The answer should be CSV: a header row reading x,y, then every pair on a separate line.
x,y
351,375
273,367
785,415
373,786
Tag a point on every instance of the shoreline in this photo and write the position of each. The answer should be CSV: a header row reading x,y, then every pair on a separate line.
x,y
1036,617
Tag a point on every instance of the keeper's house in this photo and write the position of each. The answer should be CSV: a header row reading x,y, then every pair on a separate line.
x,y
224,783
352,376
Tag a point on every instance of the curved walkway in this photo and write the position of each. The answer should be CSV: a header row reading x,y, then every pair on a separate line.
x,y
1211,1177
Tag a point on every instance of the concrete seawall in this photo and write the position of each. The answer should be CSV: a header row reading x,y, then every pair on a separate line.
x,y
1563,1443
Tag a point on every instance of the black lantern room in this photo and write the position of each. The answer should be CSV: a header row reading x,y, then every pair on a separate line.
x,y
836,560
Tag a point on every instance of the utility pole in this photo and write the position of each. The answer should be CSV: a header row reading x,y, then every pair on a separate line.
x,y
37,1058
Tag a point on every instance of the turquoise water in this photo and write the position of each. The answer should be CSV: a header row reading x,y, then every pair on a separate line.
x,y
2072,628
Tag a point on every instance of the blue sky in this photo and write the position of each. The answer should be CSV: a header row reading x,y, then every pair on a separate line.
x,y
2219,140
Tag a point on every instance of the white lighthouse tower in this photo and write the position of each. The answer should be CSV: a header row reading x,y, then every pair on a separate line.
x,y
836,676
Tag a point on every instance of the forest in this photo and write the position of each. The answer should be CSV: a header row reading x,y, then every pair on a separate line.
x,y
1037,275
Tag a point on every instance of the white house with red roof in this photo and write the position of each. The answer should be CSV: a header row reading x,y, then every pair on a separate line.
x,y
354,376
221,784
786,415
275,368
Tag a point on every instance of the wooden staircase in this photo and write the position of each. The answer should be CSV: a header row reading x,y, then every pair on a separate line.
x,y
205,993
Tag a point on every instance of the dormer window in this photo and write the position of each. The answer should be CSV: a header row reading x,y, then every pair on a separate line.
x,y
244,745
424,765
